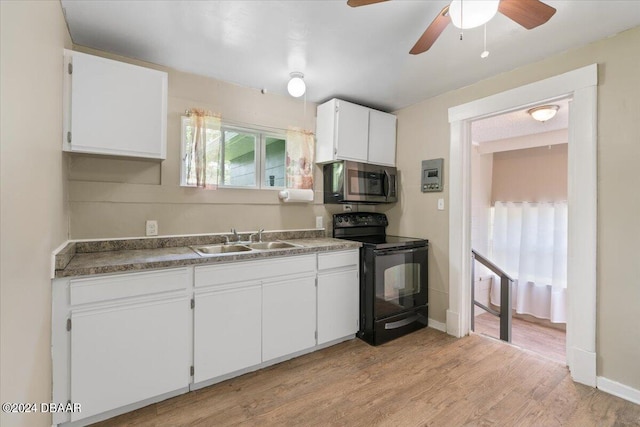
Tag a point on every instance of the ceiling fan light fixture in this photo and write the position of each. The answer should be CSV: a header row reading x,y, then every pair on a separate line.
x,y
472,13
543,112
296,86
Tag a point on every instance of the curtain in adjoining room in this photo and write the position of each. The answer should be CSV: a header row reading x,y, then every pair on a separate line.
x,y
300,151
202,156
530,244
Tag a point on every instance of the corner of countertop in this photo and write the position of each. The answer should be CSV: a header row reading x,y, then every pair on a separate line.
x,y
63,255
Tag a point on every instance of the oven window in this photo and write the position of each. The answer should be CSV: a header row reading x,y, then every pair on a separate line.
x,y
366,183
401,281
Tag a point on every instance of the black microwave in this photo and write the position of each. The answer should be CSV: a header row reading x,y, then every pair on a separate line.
x,y
353,182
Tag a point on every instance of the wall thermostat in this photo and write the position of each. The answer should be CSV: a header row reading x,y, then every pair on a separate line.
x,y
432,175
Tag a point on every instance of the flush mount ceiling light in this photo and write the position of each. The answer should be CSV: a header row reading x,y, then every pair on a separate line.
x,y
544,112
471,14
296,86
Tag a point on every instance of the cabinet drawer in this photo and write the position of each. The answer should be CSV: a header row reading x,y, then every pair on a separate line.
x,y
254,270
338,259
84,291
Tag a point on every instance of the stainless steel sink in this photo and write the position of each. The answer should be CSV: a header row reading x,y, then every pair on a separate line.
x,y
272,245
219,249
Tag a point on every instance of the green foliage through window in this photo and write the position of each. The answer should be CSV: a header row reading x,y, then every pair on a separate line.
x,y
237,157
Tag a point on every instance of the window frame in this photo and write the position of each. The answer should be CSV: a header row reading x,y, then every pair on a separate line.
x,y
260,155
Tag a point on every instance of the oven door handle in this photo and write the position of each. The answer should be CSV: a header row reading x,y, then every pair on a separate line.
x,y
379,252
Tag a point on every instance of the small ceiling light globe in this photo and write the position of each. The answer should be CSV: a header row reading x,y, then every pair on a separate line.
x,y
296,86
544,112
472,13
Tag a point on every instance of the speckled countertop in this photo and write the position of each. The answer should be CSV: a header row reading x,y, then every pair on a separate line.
x,y
114,256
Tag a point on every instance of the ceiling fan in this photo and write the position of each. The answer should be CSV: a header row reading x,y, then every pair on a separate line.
x,y
528,13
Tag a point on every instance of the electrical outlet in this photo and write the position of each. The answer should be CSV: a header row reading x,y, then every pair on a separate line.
x,y
152,227
347,208
319,222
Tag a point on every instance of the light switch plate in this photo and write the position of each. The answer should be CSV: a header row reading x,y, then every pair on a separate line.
x,y
440,204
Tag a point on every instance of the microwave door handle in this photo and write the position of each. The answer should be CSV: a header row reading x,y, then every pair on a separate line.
x,y
387,184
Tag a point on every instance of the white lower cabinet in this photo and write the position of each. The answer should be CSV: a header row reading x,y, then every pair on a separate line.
x,y
288,316
128,353
123,341
247,313
338,295
227,331
120,339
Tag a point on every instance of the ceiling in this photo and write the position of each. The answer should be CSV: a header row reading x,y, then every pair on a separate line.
x,y
359,54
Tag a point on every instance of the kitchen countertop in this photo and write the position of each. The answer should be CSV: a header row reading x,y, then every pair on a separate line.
x,y
100,257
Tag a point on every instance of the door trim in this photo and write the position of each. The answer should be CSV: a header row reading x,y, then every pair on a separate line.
x,y
581,86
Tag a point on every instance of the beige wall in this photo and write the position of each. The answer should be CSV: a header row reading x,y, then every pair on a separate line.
x,y
33,218
530,175
423,132
113,198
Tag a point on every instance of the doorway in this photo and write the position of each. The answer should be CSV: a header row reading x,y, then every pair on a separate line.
x,y
519,223
581,86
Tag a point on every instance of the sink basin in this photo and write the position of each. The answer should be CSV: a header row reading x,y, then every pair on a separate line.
x,y
219,249
272,245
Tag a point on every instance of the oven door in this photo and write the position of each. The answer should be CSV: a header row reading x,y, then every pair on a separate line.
x,y
400,280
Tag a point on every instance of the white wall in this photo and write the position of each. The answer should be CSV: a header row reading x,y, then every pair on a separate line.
x,y
33,218
481,184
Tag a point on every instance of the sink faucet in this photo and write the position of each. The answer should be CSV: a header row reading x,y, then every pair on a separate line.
x,y
257,233
236,238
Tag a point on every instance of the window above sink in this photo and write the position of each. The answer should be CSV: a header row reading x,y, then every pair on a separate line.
x,y
237,157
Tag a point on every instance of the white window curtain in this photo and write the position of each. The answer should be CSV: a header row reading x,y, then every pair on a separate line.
x,y
202,150
300,150
530,244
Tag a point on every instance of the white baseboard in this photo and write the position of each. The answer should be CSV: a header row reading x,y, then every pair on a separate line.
x,y
615,388
583,366
453,324
442,327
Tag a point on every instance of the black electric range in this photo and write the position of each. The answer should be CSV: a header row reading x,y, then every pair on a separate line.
x,y
393,277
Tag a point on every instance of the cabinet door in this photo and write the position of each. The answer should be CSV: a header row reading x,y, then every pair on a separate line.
x,y
227,331
288,316
128,353
116,108
382,138
352,132
338,305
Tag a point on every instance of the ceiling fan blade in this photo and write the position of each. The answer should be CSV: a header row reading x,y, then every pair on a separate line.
x,y
432,33
528,13
356,3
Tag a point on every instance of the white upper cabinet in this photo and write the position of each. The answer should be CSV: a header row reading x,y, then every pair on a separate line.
x,y
114,108
382,138
347,131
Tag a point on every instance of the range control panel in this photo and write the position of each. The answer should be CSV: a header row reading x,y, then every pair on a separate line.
x,y
432,175
359,219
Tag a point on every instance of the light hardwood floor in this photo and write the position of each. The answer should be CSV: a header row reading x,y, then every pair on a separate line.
x,y
543,340
426,378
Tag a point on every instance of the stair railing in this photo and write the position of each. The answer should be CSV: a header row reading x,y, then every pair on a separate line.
x,y
505,295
